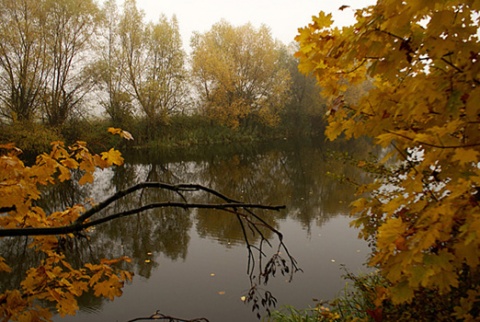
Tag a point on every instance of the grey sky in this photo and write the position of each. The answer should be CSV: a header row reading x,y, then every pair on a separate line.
x,y
283,17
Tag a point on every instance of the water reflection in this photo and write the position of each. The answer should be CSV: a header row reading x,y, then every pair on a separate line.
x,y
171,246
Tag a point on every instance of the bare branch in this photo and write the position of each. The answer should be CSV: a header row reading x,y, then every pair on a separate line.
x,y
162,317
81,223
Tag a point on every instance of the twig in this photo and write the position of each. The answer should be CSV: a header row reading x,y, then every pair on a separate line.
x,y
162,317
434,145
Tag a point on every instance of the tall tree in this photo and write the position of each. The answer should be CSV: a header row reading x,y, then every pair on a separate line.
x,y
111,67
423,215
238,75
165,81
69,30
154,64
23,69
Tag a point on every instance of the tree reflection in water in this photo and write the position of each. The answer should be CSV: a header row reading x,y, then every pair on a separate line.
x,y
158,195
291,173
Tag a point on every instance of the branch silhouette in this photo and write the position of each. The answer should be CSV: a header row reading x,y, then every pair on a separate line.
x,y
83,222
162,317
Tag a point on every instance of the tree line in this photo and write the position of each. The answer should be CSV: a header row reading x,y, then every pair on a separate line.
x,y
61,59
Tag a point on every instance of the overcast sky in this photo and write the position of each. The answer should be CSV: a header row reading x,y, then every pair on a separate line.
x,y
283,17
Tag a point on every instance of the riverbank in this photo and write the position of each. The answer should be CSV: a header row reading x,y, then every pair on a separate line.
x,y
180,131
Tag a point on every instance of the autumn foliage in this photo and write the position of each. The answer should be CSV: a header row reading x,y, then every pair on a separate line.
x,y
238,74
422,213
55,279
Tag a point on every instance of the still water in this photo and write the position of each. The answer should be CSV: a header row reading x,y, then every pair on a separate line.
x,y
193,263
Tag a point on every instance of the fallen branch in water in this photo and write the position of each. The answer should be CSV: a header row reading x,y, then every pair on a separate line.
x,y
162,317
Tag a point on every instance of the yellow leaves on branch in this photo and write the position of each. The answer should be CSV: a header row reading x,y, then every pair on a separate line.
x,y
122,133
422,60
54,280
19,184
15,307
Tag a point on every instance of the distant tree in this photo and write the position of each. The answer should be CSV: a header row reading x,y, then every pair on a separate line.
x,y
23,69
238,75
110,70
305,111
69,31
154,64
43,52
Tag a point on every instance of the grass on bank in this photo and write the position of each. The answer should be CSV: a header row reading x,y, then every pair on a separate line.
x,y
177,132
356,303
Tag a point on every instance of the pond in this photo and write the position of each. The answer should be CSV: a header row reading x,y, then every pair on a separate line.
x,y
194,263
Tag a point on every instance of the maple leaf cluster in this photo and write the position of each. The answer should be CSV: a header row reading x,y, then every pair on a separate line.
x,y
55,279
422,59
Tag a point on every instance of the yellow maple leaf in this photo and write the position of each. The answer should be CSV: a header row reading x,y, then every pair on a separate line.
x,y
113,157
55,294
78,287
464,156
64,174
109,288
334,129
86,178
114,130
124,134
322,20
70,163
390,231
67,305
401,292
3,266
